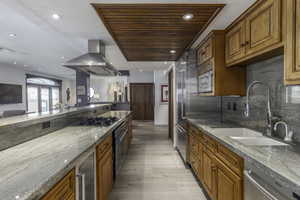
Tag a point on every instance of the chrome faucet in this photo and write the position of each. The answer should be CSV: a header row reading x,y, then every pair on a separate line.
x,y
288,133
269,113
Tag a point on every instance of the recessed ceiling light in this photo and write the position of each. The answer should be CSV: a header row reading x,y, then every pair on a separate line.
x,y
188,16
172,51
62,57
56,16
166,62
12,35
15,63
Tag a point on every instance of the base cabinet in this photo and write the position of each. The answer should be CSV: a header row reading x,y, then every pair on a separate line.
x,y
209,174
229,185
216,167
104,176
64,189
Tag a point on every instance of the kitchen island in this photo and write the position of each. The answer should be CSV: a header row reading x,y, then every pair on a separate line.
x,y
29,170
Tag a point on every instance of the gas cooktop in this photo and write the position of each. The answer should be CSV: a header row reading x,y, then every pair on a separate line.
x,y
99,121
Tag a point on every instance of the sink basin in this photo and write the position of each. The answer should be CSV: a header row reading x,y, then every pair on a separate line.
x,y
239,132
258,141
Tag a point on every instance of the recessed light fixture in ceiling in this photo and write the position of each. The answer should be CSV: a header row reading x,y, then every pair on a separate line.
x,y
56,16
188,16
62,57
15,63
172,51
166,62
12,35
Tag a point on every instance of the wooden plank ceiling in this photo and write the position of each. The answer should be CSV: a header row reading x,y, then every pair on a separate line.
x,y
148,32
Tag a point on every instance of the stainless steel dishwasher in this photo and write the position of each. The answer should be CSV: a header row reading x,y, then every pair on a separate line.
x,y
260,186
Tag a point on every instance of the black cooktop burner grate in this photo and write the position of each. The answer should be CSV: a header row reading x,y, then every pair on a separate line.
x,y
99,121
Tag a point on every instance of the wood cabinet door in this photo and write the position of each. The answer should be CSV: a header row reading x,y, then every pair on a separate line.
x,y
209,174
229,185
235,43
292,48
263,26
104,176
205,52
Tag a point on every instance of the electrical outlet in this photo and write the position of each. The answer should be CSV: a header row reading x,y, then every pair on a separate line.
x,y
234,106
228,105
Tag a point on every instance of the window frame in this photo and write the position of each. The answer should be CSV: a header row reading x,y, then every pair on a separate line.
x,y
39,87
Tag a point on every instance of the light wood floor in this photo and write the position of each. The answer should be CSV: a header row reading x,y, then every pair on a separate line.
x,y
153,169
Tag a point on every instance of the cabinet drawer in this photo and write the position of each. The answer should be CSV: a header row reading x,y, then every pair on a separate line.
x,y
104,146
210,143
232,160
65,189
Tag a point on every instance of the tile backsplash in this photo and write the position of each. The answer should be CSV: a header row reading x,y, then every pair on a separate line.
x,y
285,101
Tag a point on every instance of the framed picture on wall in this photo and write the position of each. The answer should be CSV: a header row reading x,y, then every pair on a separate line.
x,y
164,93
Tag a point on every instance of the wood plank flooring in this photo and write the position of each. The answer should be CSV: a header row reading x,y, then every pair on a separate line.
x,y
153,169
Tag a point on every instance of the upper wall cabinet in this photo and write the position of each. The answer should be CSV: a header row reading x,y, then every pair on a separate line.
x,y
292,47
214,79
256,33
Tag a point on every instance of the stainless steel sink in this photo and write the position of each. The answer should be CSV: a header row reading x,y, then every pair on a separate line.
x,y
238,132
258,141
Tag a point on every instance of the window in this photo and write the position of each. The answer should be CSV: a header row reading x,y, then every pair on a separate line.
x,y
43,94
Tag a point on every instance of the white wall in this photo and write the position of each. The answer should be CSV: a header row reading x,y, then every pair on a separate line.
x,y
11,75
161,109
141,77
103,86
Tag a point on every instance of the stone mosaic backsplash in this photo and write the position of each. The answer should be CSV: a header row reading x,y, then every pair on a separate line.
x,y
285,101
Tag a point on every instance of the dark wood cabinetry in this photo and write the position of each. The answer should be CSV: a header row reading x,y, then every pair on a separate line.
x,y
216,167
104,169
64,189
292,47
256,34
211,59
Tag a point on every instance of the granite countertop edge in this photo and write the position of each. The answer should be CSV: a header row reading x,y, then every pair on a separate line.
x,y
281,177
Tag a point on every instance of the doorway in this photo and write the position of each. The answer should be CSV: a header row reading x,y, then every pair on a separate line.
x,y
142,101
171,105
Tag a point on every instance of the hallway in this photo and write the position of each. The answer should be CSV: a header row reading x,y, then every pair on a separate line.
x,y
154,170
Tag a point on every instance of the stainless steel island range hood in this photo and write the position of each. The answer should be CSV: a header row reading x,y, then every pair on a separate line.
x,y
94,62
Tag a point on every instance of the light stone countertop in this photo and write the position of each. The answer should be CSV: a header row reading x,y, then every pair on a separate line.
x,y
279,162
30,169
39,117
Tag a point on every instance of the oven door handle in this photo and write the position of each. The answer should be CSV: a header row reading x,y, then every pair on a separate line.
x,y
270,196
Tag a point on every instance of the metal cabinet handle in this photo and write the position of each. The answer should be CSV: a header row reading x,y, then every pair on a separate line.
x,y
82,176
258,186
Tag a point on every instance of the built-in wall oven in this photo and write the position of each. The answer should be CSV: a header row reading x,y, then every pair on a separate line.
x,y
260,186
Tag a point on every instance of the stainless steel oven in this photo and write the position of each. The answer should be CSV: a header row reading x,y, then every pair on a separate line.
x,y
182,142
260,186
205,82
